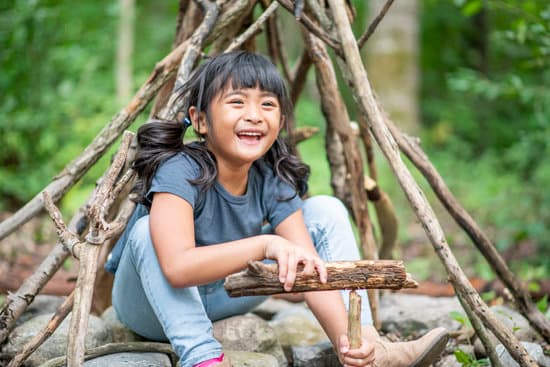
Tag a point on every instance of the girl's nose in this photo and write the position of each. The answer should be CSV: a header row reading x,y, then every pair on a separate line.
x,y
253,115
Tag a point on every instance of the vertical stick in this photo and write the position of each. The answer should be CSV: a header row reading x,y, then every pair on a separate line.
x,y
354,319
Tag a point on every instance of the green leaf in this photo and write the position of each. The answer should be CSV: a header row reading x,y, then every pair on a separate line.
x,y
472,7
542,304
462,357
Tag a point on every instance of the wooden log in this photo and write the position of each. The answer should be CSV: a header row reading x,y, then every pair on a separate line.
x,y
262,279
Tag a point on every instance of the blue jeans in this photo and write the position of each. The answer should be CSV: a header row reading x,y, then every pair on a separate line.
x,y
150,306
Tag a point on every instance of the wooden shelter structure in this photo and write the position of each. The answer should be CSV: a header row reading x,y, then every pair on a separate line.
x,y
207,27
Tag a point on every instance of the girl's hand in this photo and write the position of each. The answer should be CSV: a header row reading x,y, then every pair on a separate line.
x,y
362,356
288,255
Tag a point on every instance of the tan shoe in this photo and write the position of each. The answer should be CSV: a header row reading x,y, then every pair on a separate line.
x,y
417,353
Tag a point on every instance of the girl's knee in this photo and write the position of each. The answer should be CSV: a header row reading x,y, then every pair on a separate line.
x,y
327,208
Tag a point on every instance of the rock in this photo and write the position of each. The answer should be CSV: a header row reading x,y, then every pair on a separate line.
x,y
318,355
42,304
119,331
249,333
270,307
56,345
251,359
130,360
534,350
448,361
297,326
407,314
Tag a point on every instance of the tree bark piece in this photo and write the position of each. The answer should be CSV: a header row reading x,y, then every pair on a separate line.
x,y
262,279
358,81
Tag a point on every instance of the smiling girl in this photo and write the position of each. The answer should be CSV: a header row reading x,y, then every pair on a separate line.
x,y
206,208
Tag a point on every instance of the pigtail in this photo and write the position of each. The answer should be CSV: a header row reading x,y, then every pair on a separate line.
x,y
158,141
288,166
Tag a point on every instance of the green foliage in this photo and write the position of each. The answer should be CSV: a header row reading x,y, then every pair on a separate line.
x,y
467,360
491,115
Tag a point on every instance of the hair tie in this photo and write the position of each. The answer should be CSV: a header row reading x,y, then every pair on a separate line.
x,y
186,122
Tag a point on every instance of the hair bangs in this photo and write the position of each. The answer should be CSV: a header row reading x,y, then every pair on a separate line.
x,y
252,71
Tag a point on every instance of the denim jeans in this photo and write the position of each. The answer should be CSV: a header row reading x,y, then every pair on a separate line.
x,y
150,306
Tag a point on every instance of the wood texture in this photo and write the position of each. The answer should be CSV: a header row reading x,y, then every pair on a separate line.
x,y
354,320
262,279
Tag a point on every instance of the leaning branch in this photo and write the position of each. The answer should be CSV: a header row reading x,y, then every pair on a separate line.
x,y
372,27
368,106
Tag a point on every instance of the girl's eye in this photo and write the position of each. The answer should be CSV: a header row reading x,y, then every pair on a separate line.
x,y
236,101
270,104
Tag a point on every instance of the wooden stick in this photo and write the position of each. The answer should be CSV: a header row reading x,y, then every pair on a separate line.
x,y
262,279
354,320
254,28
372,27
88,259
353,68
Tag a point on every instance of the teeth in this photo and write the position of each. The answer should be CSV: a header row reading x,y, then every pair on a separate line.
x,y
250,134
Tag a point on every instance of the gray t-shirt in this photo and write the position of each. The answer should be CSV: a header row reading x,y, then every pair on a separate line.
x,y
219,216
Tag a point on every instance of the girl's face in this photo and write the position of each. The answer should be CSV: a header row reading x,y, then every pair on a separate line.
x,y
244,125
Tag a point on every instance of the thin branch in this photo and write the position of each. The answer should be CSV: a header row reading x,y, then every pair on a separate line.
x,y
192,52
68,238
299,76
254,28
372,27
313,28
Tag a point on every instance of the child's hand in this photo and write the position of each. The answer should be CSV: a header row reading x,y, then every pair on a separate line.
x,y
362,356
288,255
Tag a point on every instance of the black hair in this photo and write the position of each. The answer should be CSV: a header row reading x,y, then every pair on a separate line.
x,y
161,139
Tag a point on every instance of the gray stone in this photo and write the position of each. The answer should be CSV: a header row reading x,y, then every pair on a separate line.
x,y
416,314
318,355
534,350
270,307
249,333
56,344
130,360
297,326
251,359
119,331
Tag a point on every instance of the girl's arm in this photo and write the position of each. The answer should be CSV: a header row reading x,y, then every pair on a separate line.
x,y
184,265
327,306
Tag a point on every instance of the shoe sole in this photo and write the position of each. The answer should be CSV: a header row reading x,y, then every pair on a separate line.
x,y
433,351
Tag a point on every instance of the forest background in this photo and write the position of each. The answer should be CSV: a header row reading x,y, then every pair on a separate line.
x,y
482,110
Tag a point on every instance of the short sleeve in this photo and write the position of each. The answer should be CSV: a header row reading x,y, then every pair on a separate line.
x,y
282,200
173,177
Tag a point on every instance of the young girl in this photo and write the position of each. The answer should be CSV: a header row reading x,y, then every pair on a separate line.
x,y
202,215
